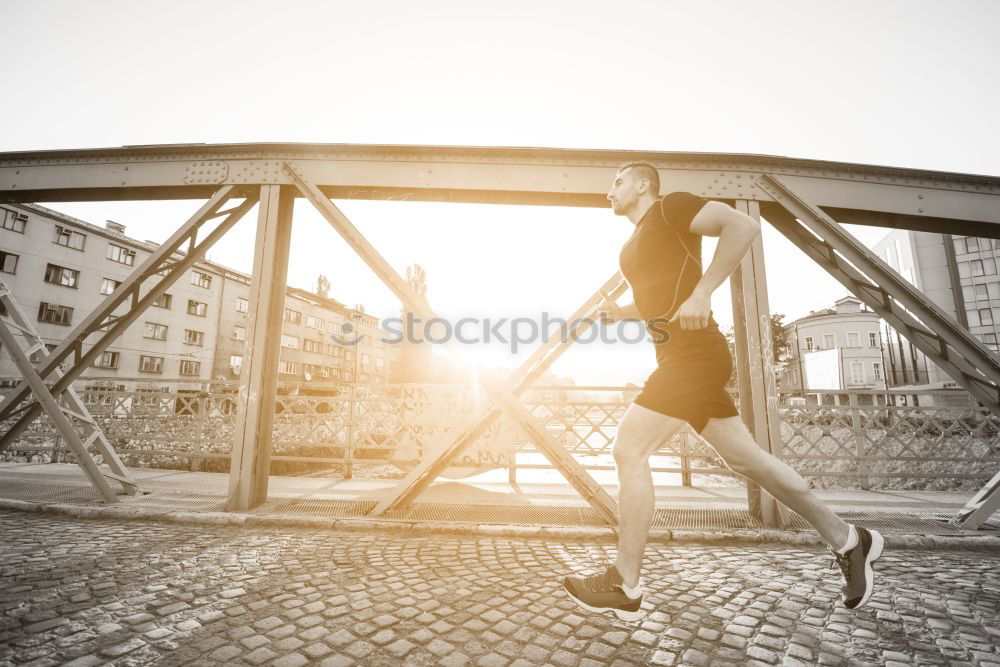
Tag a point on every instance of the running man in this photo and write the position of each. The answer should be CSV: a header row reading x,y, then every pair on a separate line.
x,y
662,263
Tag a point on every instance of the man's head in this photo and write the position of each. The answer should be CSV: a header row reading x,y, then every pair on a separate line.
x,y
635,184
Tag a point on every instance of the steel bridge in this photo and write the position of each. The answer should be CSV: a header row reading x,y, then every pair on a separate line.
x,y
806,200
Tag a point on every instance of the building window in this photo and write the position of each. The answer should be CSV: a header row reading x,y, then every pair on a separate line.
x,y
379,363
106,360
60,275
149,364
293,316
378,379
989,266
314,322
853,339
109,285
981,292
348,355
53,314
877,370
192,337
963,270
333,350
977,267
331,327
155,331
236,362
201,279
986,316
189,367
312,346
973,317
857,372
197,308
239,333
365,359
69,238
8,262
829,341
13,220
873,339
288,367
116,253
348,376
809,343
36,356
163,301
972,244
242,305
291,342
993,290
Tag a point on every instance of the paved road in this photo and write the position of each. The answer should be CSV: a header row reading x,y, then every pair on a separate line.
x,y
129,593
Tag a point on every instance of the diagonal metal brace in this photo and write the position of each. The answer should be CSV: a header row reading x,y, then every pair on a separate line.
x,y
573,471
879,286
97,320
929,328
421,477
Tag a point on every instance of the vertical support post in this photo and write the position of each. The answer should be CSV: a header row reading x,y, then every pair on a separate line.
x,y
251,455
859,441
685,458
755,368
349,449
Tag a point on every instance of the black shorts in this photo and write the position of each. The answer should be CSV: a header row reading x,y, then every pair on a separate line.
x,y
690,379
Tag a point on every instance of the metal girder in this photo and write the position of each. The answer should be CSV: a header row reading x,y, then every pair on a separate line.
x,y
755,368
250,463
575,473
421,477
925,325
129,291
873,281
543,176
60,411
980,507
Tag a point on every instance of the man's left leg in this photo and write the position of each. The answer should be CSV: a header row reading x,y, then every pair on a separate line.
x,y
855,548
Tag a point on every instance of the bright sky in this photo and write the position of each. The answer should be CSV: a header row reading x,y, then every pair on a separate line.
x,y
909,83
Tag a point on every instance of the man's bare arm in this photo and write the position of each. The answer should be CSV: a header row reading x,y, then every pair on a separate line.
x,y
614,313
736,231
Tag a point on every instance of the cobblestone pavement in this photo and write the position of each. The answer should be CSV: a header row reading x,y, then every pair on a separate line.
x,y
128,593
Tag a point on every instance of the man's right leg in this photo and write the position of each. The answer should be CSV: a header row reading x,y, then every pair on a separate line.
x,y
641,432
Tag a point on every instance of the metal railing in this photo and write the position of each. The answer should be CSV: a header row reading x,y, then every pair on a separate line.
x,y
869,438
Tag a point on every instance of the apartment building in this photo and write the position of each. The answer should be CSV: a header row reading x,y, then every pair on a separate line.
x,y
957,273
838,348
60,269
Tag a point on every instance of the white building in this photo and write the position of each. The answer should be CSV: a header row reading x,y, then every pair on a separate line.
x,y
835,349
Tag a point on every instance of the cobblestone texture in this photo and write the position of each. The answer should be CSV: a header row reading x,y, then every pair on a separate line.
x,y
133,593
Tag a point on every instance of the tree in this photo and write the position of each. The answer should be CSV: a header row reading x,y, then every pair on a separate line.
x,y
781,344
322,286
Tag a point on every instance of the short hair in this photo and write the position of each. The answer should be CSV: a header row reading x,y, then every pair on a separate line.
x,y
647,171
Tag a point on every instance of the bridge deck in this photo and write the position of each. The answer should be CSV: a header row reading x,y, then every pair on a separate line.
x,y
483,502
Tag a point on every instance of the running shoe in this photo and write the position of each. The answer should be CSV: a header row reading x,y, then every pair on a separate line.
x,y
603,592
856,565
